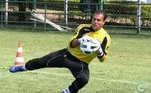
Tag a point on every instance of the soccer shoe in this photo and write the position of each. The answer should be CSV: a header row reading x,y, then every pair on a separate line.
x,y
65,91
17,68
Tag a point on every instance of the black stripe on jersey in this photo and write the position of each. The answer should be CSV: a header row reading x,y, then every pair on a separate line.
x,y
83,31
103,45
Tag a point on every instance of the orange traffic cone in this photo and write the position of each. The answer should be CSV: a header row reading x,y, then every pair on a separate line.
x,y
19,55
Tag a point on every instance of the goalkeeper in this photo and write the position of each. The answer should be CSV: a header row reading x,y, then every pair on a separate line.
x,y
72,57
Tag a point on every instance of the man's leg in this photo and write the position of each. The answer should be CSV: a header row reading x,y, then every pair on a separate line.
x,y
54,59
80,71
81,80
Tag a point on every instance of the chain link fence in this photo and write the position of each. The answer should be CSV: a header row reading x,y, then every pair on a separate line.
x,y
122,15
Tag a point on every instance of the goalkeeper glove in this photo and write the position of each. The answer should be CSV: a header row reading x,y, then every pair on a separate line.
x,y
100,52
96,44
84,38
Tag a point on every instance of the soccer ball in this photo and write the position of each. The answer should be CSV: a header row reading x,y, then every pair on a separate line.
x,y
88,47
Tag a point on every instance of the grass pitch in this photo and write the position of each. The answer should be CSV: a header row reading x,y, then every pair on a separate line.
x,y
126,70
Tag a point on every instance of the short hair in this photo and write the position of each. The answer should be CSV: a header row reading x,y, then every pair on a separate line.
x,y
101,12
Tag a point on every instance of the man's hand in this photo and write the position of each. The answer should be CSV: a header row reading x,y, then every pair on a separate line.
x,y
84,38
96,44
100,52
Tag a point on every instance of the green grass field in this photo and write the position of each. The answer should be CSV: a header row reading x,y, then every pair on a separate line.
x,y
126,70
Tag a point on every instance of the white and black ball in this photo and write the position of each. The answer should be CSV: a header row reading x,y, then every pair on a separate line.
x,y
88,47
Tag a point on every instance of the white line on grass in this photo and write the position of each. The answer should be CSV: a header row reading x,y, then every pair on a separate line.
x,y
93,78
137,83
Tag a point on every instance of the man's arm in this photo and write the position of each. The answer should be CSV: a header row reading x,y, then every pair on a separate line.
x,y
103,51
75,43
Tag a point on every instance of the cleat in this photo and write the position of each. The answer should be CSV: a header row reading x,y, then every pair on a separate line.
x,y
17,68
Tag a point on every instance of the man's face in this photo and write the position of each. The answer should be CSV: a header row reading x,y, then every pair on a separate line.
x,y
98,21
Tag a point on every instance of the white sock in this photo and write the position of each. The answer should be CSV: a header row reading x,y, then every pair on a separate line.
x,y
23,67
66,90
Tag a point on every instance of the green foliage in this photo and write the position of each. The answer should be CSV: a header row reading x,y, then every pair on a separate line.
x,y
127,11
58,0
146,10
116,8
126,8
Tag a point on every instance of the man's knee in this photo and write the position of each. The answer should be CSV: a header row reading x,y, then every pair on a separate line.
x,y
83,79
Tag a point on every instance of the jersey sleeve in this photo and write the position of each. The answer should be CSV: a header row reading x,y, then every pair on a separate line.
x,y
105,46
75,35
79,32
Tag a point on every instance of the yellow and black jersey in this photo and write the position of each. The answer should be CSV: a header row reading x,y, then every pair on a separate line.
x,y
101,35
